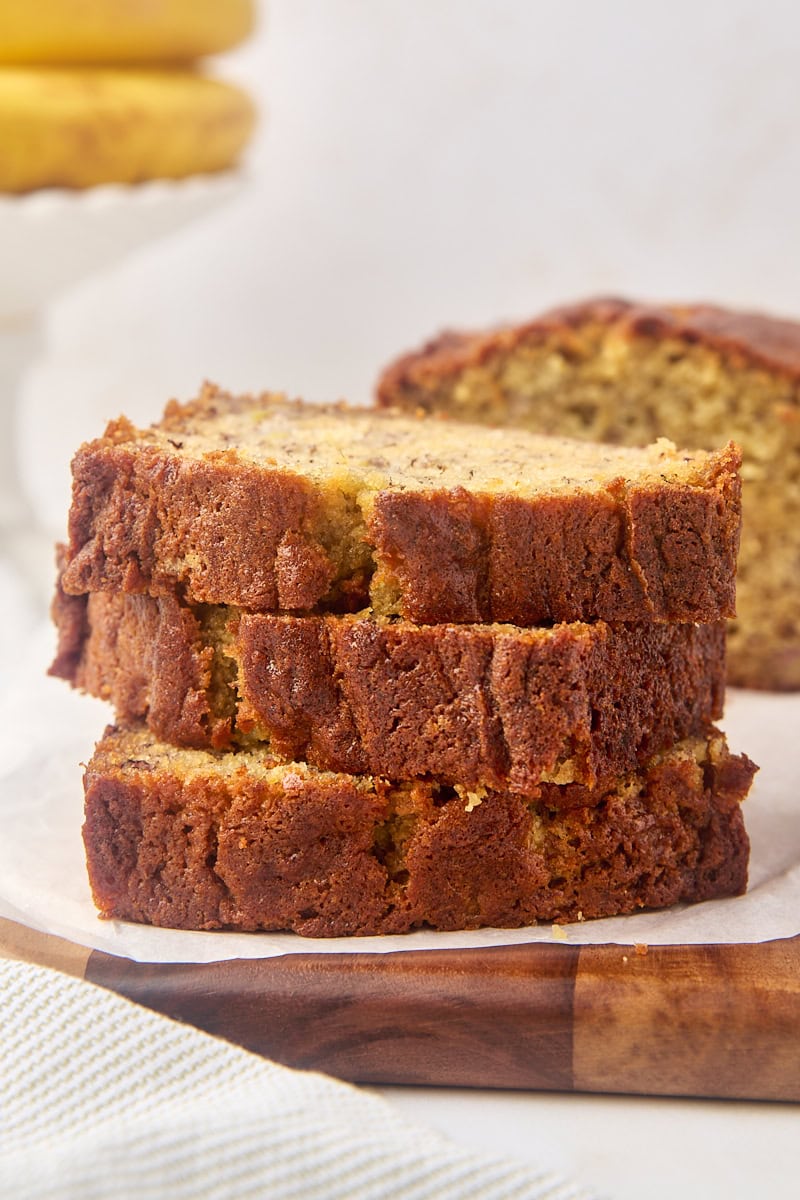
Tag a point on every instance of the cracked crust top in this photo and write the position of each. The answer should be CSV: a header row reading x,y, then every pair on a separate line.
x,y
743,337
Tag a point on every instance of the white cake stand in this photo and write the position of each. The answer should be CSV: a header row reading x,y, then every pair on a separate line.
x,y
49,241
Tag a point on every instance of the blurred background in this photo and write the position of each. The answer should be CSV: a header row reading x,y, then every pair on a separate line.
x,y
446,162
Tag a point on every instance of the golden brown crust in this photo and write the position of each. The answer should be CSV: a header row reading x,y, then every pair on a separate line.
x,y
228,530
201,847
70,617
663,554
471,705
477,706
743,337
250,532
145,656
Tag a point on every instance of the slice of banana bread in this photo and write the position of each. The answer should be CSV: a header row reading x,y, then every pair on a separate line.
x,y
612,371
481,706
196,840
272,505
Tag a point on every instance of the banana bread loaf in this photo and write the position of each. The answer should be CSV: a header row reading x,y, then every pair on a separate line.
x,y
271,505
196,840
481,706
612,371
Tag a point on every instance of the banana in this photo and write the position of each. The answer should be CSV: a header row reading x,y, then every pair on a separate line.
x,y
80,127
120,31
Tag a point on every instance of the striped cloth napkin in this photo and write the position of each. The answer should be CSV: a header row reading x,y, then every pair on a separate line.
x,y
101,1099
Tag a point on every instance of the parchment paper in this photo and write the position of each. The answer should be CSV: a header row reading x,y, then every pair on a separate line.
x,y
47,731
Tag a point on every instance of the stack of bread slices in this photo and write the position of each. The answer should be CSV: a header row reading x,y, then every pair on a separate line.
x,y
375,672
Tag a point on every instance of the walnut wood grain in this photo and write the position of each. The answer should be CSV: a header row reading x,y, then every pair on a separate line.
x,y
475,1018
718,1021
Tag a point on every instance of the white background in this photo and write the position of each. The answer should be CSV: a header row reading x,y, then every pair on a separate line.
x,y
423,163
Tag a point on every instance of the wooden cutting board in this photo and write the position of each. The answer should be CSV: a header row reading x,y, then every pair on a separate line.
x,y
713,1021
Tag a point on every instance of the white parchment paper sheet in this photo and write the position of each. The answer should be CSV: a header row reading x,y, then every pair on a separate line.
x,y
46,731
